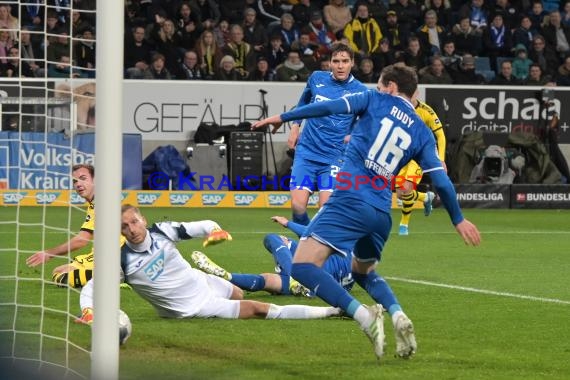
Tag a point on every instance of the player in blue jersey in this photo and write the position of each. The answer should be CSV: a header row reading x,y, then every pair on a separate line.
x,y
387,135
282,249
321,144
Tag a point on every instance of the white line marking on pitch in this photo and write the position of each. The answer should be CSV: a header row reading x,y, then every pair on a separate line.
x,y
482,291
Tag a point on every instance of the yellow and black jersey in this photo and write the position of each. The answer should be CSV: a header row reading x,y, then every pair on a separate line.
x,y
430,118
89,223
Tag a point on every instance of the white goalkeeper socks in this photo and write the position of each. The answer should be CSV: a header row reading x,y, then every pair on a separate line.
x,y
300,312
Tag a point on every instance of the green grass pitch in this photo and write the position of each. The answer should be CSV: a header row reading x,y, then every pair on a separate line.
x,y
499,311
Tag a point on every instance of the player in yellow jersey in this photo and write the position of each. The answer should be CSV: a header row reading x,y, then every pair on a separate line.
x,y
80,269
406,190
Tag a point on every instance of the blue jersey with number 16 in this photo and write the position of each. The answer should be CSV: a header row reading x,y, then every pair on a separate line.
x,y
387,135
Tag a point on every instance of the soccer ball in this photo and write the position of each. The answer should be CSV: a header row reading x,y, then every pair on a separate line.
x,y
125,327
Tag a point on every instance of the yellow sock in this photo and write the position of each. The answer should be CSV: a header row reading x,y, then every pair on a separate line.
x,y
408,201
75,278
421,196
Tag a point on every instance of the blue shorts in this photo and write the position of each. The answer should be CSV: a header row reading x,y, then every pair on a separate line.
x,y
312,175
351,227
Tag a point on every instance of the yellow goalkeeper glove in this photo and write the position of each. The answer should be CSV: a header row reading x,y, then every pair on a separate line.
x,y
216,237
86,316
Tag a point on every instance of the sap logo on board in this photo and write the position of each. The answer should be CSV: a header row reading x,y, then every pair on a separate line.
x,y
313,200
147,199
179,199
244,199
13,198
76,199
46,198
212,199
155,267
278,199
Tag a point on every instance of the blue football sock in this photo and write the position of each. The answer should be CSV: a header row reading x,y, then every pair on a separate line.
x,y
251,282
285,281
281,253
302,219
378,289
324,286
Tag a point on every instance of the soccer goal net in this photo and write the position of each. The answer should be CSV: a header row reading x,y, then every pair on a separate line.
x,y
47,125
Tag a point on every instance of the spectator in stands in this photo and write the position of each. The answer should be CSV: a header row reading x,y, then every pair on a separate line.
x,y
395,32
435,73
189,26
363,33
232,11
227,70
209,54
14,67
448,55
222,33
53,26
477,14
270,12
505,76
84,53
508,11
442,9
157,68
167,41
240,51
275,53
336,15
134,17
302,12
524,34
431,34
563,73
521,63
288,30
556,34
209,11
308,51
255,33
325,63
365,72
467,39
262,73
537,15
465,72
565,14
536,77
385,56
414,56
293,69
408,12
138,52
320,34
59,47
544,55
31,52
8,21
6,43
62,69
78,24
32,15
497,41
190,68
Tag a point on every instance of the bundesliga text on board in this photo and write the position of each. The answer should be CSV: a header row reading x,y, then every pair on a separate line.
x,y
344,181
542,197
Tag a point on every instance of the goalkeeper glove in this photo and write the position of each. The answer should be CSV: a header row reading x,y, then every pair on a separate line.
x,y
216,237
126,286
86,316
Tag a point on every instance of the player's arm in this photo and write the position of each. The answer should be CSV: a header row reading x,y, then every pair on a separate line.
x,y
77,242
208,229
298,229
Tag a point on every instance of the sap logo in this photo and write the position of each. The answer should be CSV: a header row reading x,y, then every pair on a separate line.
x,y
76,199
244,199
155,267
313,200
179,199
278,199
147,199
46,198
13,198
212,199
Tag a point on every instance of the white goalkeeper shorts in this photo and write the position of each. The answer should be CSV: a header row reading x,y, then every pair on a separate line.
x,y
219,304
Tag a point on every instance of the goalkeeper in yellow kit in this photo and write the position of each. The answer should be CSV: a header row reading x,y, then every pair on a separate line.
x,y
80,269
412,173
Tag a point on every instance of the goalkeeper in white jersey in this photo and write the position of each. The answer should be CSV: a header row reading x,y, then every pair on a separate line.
x,y
156,270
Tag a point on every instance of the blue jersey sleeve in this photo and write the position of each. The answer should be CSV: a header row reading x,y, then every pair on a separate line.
x,y
297,228
354,104
446,192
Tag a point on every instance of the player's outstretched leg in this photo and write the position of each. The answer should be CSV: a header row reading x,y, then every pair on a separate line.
x,y
428,203
408,201
406,345
205,264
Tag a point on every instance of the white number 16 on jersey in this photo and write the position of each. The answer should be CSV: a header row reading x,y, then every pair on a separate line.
x,y
389,145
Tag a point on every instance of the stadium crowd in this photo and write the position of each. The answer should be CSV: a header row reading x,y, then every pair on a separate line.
x,y
503,42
